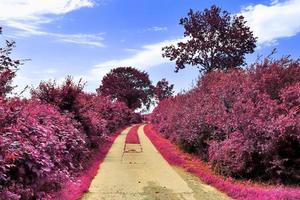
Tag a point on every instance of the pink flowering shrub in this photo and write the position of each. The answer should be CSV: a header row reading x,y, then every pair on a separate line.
x,y
48,141
63,96
272,76
42,146
244,122
98,115
240,190
116,114
39,149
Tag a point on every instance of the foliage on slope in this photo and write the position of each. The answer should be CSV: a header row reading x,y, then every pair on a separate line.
x,y
246,123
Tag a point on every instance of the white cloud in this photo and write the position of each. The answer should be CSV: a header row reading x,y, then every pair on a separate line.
x,y
131,50
156,29
279,19
26,30
142,59
83,39
274,21
27,16
148,56
35,10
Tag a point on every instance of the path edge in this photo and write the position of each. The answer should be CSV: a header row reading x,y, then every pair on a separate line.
x,y
75,189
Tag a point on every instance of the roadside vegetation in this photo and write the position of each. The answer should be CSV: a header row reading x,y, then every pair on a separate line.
x,y
49,139
242,120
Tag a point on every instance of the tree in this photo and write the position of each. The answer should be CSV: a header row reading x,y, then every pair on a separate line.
x,y
128,85
163,89
8,67
214,40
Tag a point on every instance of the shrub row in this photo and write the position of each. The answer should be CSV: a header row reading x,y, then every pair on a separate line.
x,y
239,190
246,123
48,139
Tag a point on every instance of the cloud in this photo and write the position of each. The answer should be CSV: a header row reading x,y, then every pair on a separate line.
x,y
27,16
26,30
148,56
270,22
156,29
36,10
82,39
131,50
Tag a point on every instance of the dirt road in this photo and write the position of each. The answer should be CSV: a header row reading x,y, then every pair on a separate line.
x,y
139,172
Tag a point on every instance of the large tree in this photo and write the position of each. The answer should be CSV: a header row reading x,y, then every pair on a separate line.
x,y
128,85
214,39
163,89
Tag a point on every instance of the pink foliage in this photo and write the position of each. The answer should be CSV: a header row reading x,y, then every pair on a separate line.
x,y
273,76
40,148
236,189
128,85
244,122
8,67
98,115
48,141
163,89
132,136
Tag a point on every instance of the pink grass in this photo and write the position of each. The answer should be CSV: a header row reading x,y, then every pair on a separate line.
x,y
132,136
75,189
240,190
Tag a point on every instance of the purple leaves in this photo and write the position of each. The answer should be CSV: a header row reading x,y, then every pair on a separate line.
x,y
48,140
35,150
215,40
128,85
244,122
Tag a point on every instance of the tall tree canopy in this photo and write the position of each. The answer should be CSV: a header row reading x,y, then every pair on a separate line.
x,y
128,85
8,67
214,40
163,89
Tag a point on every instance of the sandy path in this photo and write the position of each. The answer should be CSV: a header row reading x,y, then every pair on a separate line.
x,y
139,172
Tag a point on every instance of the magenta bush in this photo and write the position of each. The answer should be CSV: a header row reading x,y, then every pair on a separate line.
x,y
98,115
63,96
244,122
49,139
39,149
41,146
272,76
240,190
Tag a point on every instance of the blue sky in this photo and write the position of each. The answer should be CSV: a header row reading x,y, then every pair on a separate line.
x,y
87,38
